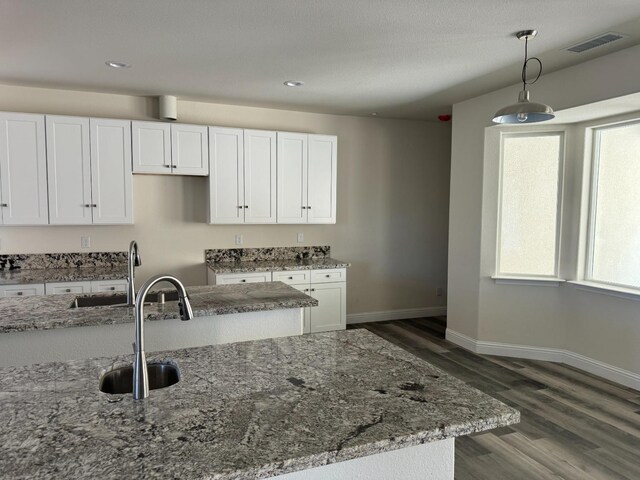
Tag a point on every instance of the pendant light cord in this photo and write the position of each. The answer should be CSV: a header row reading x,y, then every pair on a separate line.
x,y
524,66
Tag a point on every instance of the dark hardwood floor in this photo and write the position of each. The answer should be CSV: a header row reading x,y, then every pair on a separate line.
x,y
574,425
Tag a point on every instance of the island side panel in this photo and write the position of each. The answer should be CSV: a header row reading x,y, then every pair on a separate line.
x,y
76,343
430,461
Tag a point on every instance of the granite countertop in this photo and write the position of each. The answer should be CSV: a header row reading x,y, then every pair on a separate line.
x,y
18,314
247,410
52,275
276,265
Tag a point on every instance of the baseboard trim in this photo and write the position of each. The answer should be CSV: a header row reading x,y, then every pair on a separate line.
x,y
590,365
396,314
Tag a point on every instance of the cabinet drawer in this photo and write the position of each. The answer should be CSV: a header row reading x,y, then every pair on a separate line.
x,y
293,277
29,290
229,279
67,287
329,275
109,286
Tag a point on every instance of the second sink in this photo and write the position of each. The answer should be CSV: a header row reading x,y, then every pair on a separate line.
x,y
120,380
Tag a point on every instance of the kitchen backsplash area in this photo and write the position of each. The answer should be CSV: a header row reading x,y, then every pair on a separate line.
x,y
266,254
37,261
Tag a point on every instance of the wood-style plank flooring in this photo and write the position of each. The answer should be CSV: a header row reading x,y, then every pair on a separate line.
x,y
574,425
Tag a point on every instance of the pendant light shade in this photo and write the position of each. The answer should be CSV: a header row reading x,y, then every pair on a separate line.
x,y
525,111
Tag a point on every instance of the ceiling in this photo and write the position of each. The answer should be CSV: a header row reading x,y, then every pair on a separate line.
x,y
399,58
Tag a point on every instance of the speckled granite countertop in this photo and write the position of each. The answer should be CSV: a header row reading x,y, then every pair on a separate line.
x,y
247,410
276,265
54,275
18,314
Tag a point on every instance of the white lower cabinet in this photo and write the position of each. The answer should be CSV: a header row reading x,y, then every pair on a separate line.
x,y
67,287
328,286
26,290
99,286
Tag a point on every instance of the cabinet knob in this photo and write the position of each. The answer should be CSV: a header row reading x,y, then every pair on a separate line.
x,y
290,278
112,288
243,280
167,166
328,276
94,205
308,207
246,206
87,205
68,290
304,208
240,206
19,293
4,204
313,289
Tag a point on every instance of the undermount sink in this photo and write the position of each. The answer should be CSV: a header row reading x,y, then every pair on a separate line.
x,y
117,300
120,380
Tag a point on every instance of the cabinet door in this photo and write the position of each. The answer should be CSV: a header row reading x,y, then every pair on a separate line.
x,y
27,290
68,170
259,176
151,147
67,287
331,312
226,176
292,177
189,149
23,170
321,206
111,171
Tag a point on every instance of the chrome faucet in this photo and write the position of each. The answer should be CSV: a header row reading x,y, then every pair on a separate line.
x,y
134,261
140,374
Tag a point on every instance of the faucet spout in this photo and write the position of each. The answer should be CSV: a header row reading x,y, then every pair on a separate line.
x,y
134,261
140,374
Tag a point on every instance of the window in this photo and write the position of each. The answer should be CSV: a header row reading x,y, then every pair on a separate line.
x,y
529,204
613,238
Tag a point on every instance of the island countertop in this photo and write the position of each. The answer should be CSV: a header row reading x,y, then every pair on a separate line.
x,y
247,410
19,314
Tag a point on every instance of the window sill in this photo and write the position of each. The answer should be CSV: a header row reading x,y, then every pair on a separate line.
x,y
531,281
603,289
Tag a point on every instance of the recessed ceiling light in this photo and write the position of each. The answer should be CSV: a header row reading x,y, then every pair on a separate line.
x,y
293,83
114,64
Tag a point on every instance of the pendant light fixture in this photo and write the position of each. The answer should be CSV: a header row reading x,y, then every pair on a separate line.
x,y
525,111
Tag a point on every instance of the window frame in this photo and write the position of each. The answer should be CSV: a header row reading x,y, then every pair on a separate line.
x,y
539,132
590,186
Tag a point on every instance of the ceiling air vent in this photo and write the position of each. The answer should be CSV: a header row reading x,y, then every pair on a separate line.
x,y
594,42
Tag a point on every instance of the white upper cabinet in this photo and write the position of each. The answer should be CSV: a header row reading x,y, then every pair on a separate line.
x,y
111,180
292,177
69,170
189,150
23,170
164,148
226,175
321,192
259,176
89,171
151,143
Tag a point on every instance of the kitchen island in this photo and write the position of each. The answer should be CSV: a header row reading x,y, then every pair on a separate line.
x,y
302,407
45,328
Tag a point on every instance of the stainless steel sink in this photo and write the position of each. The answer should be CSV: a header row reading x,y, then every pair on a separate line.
x,y
120,380
117,300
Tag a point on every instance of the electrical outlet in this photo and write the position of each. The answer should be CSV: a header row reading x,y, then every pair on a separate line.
x,y
300,237
239,239
85,242
439,292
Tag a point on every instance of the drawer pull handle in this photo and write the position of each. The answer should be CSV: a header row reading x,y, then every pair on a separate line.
x,y
4,205
304,208
68,290
246,206
19,293
243,280
240,206
87,205
290,278
313,289
167,166
308,207
112,288
328,276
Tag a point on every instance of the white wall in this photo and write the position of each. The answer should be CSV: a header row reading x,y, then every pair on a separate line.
x,y
393,184
600,327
